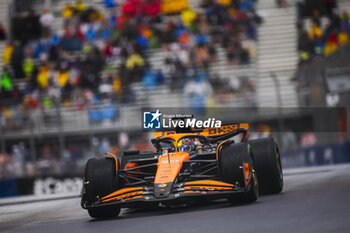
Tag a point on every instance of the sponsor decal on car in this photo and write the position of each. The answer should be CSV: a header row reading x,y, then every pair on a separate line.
x,y
162,185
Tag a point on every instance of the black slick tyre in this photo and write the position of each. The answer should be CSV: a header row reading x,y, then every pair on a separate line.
x,y
101,180
268,165
231,161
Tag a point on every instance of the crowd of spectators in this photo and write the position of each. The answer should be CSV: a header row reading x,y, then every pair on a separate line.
x,y
329,28
96,56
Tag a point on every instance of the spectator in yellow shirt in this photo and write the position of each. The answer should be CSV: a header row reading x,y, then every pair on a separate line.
x,y
315,32
134,60
7,54
43,76
80,6
62,78
343,37
68,11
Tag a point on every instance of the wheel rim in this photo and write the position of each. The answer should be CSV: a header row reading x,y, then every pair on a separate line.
x,y
279,166
254,180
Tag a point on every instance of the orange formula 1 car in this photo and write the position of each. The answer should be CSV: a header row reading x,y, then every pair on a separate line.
x,y
188,165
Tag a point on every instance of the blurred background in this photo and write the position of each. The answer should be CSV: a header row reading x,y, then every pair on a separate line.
x,y
75,75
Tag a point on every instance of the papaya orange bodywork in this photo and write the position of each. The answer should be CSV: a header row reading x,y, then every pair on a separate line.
x,y
208,185
218,148
132,197
209,182
121,191
115,159
124,196
169,166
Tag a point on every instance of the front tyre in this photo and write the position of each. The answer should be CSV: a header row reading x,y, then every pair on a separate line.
x,y
101,180
232,161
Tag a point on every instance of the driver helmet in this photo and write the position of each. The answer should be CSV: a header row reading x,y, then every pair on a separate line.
x,y
185,145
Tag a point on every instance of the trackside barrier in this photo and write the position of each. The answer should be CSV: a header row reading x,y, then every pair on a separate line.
x,y
8,187
317,155
40,186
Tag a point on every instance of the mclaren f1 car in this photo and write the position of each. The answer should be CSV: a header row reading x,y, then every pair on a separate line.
x,y
188,165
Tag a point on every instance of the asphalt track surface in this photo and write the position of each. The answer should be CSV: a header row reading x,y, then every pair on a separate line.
x,y
313,200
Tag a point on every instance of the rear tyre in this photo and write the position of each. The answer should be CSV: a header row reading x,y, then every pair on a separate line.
x,y
268,165
231,159
101,180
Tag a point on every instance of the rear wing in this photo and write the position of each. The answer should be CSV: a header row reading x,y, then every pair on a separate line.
x,y
225,129
208,132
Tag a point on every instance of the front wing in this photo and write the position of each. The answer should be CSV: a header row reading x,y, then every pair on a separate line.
x,y
183,190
